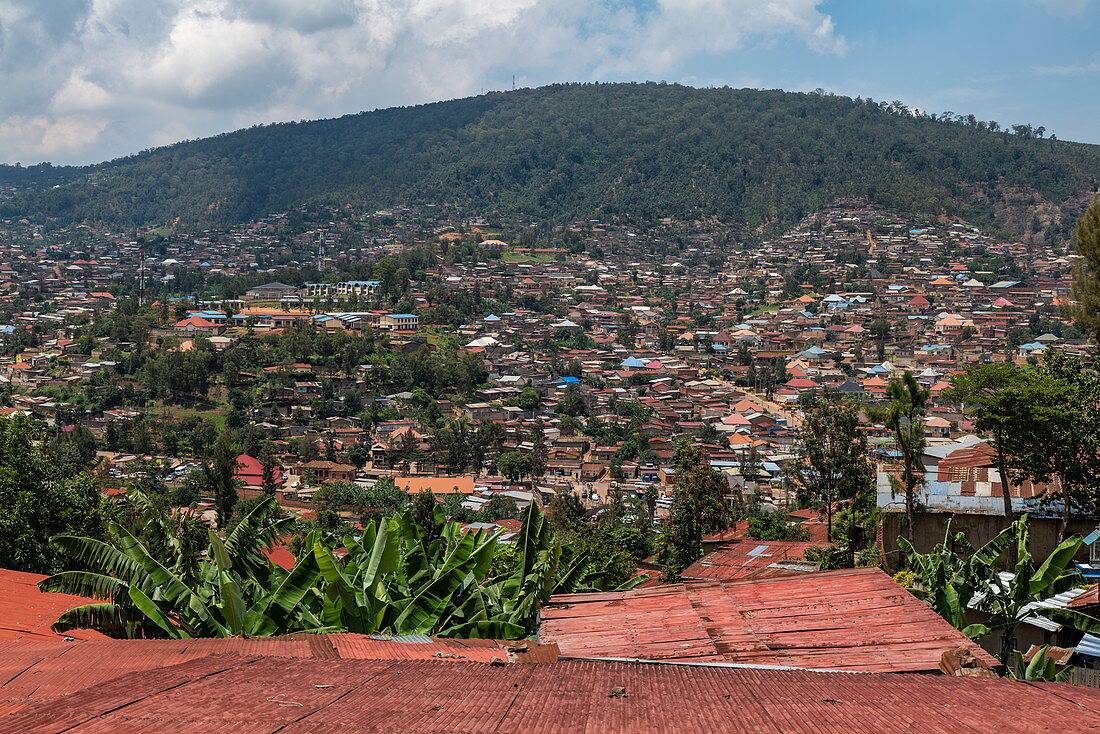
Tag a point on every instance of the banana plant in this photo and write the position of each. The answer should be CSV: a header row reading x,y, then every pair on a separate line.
x,y
1041,667
954,582
139,596
394,579
953,572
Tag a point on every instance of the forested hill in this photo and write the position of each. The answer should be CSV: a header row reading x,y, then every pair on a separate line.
x,y
601,150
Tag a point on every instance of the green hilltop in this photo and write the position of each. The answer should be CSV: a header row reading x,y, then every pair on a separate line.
x,y
759,159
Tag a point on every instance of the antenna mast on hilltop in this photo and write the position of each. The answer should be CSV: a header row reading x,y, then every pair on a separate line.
x,y
141,277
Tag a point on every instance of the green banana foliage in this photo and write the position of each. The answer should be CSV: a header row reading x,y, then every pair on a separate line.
x,y
952,581
394,579
1041,667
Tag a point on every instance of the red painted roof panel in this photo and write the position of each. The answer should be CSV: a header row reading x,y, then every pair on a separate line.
x,y
856,619
226,693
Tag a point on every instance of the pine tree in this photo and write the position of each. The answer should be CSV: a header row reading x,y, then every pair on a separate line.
x,y
219,473
1086,273
269,464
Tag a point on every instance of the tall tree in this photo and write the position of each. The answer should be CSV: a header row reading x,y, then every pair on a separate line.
x,y
904,417
219,472
880,330
1000,399
699,507
1069,436
540,454
833,462
37,501
1086,273
269,465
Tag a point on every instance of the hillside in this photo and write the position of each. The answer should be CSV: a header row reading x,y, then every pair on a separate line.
x,y
758,158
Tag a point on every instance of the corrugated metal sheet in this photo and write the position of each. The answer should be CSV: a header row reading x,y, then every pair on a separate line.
x,y
856,619
27,613
32,671
352,697
743,559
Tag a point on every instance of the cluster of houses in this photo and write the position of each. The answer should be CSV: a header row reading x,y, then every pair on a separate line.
x,y
720,349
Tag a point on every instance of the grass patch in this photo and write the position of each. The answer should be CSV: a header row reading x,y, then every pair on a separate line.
x,y
179,412
526,257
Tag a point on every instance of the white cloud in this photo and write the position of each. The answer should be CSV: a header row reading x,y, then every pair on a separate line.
x,y
49,137
1068,69
136,73
79,94
1067,7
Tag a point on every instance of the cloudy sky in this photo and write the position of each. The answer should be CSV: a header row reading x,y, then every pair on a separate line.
x,y
87,80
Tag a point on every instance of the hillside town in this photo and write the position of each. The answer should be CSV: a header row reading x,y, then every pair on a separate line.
x,y
608,357
518,379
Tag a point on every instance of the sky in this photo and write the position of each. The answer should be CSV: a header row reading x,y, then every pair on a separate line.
x,y
83,81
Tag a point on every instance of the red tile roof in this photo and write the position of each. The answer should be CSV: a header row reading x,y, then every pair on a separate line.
x,y
856,619
248,694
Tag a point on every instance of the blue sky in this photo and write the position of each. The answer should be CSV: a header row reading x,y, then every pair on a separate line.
x,y
88,80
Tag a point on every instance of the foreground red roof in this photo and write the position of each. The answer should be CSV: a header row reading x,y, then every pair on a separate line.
x,y
27,613
32,672
855,619
266,695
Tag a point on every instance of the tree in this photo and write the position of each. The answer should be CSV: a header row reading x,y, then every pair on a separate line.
x,y
37,501
699,507
904,417
499,507
514,465
74,451
880,331
833,462
359,455
425,513
540,453
572,402
269,465
221,481
565,511
1003,401
1067,444
772,526
709,433
1086,272
528,399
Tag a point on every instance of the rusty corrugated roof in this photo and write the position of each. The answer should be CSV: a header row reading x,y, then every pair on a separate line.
x,y
35,671
855,619
27,613
742,559
254,695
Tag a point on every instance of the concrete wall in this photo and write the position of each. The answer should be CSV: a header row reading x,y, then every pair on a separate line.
x,y
929,529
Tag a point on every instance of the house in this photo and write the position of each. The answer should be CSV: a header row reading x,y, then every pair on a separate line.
x,y
436,485
251,471
399,322
327,471
295,684
270,292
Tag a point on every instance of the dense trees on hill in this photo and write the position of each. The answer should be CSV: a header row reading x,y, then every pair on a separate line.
x,y
612,150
